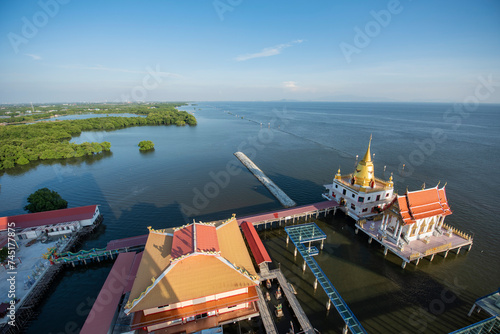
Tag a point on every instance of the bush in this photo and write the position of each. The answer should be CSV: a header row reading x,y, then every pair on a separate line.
x,y
45,199
146,145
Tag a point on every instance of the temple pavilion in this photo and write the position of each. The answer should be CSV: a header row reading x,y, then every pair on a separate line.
x,y
194,277
361,194
416,215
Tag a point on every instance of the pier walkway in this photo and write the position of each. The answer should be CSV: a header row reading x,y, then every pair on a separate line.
x,y
307,233
294,303
266,181
97,254
265,315
290,215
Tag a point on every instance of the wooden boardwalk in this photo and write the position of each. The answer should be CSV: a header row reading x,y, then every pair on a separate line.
x,y
294,303
266,317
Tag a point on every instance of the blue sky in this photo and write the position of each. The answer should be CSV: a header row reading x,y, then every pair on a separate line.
x,y
74,50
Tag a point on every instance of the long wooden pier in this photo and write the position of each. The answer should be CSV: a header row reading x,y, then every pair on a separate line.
x,y
266,181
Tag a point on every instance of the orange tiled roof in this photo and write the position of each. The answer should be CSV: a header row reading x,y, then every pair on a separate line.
x,y
164,279
423,204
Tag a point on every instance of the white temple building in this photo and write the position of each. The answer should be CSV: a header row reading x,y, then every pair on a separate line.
x,y
361,194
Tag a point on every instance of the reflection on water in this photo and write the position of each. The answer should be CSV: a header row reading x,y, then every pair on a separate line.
x,y
300,154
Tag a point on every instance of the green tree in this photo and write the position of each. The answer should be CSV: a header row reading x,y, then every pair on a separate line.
x,y
22,161
45,199
146,145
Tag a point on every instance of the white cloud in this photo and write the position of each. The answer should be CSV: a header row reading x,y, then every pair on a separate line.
x,y
34,57
292,85
271,51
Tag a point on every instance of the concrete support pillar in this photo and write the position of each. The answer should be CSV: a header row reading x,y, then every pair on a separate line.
x,y
304,266
315,283
370,240
385,251
322,244
295,252
471,310
470,246
403,265
356,230
345,330
416,263
328,304
287,239
458,250
446,254
432,257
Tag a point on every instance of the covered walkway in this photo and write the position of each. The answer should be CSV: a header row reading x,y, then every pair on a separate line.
x,y
105,308
259,252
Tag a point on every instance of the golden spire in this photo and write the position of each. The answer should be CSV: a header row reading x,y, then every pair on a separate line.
x,y
338,176
364,174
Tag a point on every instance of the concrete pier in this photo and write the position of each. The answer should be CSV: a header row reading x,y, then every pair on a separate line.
x,y
266,181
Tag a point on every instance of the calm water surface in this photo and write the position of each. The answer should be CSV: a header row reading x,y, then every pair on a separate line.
x,y
300,146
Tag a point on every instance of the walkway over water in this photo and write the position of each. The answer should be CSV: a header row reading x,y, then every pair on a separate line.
x,y
265,180
97,254
307,328
290,215
490,325
308,233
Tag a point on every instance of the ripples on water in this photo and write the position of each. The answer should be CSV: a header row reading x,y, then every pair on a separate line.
x,y
301,151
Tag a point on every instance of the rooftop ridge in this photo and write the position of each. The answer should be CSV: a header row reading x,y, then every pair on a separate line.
x,y
131,304
240,270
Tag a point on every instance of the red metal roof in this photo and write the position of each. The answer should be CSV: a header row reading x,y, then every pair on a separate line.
x,y
103,311
259,252
422,204
206,238
182,243
288,212
49,217
139,240
133,272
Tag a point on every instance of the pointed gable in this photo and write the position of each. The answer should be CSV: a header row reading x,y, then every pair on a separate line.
x,y
422,204
194,261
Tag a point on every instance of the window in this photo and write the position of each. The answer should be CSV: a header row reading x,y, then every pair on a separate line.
x,y
163,306
369,198
336,186
361,199
353,196
201,316
344,192
365,209
378,198
353,207
386,195
232,306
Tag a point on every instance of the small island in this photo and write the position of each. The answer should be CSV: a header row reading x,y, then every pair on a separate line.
x,y
146,145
